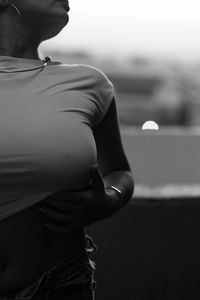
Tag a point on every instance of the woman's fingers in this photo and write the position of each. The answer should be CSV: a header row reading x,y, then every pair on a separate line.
x,y
59,228
57,221
97,181
62,195
59,204
65,210
55,216
64,198
55,227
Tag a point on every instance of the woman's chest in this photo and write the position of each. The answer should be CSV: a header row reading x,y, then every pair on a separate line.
x,y
44,146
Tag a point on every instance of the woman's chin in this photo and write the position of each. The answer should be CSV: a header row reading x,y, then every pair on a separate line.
x,y
58,20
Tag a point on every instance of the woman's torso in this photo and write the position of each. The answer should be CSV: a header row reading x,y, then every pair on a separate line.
x,y
46,145
31,248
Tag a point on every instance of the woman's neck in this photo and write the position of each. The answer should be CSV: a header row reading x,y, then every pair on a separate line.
x,y
17,41
31,54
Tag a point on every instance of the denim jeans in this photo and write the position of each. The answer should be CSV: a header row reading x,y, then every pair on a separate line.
x,y
72,278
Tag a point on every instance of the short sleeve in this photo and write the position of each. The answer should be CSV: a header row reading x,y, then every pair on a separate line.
x,y
102,92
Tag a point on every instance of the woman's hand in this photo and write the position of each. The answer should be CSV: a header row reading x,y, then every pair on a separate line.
x,y
67,210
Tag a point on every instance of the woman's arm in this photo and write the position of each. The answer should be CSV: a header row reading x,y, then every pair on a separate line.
x,y
114,170
106,201
112,160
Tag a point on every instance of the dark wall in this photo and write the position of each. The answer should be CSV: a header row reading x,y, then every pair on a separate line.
x,y
149,250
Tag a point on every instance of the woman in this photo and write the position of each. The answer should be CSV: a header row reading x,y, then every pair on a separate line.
x,y
62,163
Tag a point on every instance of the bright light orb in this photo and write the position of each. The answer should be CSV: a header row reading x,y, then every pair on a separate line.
x,y
150,125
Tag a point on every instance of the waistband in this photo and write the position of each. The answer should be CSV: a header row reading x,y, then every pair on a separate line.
x,y
79,256
68,264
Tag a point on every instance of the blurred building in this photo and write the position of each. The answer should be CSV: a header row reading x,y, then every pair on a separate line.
x,y
149,94
145,89
192,92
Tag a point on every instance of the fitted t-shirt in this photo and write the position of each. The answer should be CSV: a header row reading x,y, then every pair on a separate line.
x,y
47,116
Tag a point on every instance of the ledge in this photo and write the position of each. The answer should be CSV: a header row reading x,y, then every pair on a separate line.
x,y
167,192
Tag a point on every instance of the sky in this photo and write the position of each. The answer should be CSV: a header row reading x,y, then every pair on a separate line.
x,y
158,28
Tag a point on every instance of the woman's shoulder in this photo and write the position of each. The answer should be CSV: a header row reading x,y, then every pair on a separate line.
x,y
91,81
84,71
92,71
97,75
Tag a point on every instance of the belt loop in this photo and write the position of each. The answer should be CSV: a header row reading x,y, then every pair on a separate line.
x,y
90,245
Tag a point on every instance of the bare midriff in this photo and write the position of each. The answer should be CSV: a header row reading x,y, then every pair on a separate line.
x,y
28,248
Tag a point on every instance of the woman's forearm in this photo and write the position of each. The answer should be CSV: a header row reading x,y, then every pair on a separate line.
x,y
122,180
105,208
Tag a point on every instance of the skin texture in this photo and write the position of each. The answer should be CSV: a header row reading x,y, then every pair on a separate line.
x,y
40,21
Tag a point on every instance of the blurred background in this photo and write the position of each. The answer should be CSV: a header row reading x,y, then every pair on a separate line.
x,y
149,49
